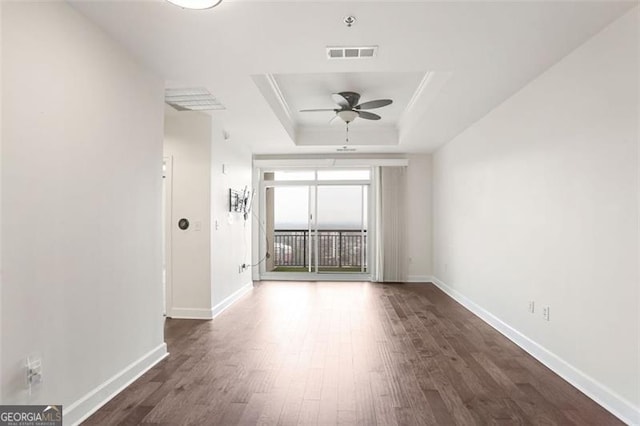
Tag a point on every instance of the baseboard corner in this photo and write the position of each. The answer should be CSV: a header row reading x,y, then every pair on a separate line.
x,y
190,313
84,407
231,299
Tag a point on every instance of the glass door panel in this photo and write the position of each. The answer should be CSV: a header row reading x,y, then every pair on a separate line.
x,y
287,229
340,228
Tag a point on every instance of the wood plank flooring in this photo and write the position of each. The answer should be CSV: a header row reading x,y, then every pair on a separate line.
x,y
347,353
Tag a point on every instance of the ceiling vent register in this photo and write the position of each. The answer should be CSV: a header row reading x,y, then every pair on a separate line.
x,y
192,99
352,52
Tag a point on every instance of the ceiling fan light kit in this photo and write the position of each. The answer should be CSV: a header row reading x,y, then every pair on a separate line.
x,y
196,4
348,115
350,109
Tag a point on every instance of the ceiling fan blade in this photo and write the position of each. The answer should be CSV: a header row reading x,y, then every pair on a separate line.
x,y
368,115
340,100
379,103
316,110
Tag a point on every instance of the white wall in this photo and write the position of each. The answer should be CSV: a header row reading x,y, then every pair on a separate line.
x,y
539,201
205,275
81,194
188,143
419,239
231,242
1,381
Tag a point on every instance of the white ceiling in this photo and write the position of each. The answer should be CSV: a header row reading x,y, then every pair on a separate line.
x,y
474,54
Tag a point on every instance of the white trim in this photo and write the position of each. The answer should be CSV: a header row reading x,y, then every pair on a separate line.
x,y
84,407
231,299
279,96
209,314
274,183
168,238
614,403
428,89
190,313
423,85
328,162
419,279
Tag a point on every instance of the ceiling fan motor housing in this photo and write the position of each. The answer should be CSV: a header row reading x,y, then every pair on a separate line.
x,y
351,97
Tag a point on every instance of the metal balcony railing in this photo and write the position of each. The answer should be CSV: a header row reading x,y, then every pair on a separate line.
x,y
339,249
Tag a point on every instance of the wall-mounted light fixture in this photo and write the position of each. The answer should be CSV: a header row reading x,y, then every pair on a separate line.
x,y
196,4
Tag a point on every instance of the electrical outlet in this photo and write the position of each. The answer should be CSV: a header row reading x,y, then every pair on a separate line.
x,y
532,306
546,313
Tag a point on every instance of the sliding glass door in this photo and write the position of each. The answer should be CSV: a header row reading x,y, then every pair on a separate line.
x,y
341,228
316,228
288,229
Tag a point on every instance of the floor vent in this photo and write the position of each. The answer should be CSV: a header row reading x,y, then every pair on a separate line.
x,y
351,52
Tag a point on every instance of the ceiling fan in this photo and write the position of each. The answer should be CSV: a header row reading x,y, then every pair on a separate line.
x,y
349,108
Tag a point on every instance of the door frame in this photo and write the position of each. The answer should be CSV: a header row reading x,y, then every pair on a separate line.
x,y
315,275
167,229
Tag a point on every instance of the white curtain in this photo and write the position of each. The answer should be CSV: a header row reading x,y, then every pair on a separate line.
x,y
390,250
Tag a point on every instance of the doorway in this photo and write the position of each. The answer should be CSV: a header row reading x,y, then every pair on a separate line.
x,y
317,224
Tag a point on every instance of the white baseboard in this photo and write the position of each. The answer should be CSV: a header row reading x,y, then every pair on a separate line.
x,y
190,313
419,278
595,390
229,300
208,314
80,410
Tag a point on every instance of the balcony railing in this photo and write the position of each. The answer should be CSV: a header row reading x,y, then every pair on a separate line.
x,y
337,249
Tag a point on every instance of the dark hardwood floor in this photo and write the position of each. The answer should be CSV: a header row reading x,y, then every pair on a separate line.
x,y
347,353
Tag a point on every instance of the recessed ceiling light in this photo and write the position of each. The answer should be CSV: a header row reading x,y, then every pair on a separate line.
x,y
196,4
192,99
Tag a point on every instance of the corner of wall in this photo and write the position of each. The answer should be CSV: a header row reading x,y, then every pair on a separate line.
x,y
1,127
231,234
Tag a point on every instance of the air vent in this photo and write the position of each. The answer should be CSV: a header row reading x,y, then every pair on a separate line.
x,y
192,99
351,52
